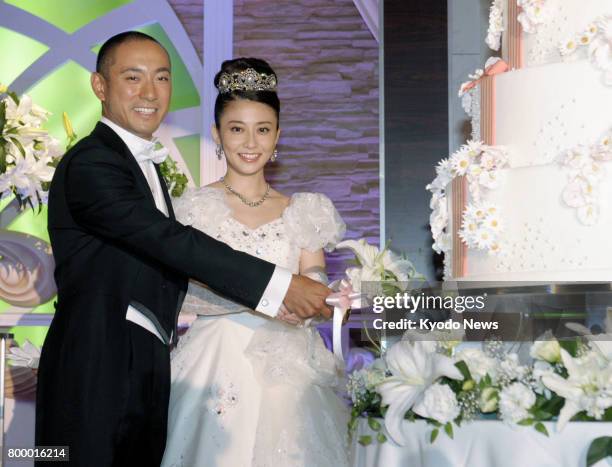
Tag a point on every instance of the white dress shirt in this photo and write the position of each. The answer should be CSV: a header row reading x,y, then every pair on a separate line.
x,y
276,290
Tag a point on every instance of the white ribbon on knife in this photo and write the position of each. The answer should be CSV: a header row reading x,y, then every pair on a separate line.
x,y
344,299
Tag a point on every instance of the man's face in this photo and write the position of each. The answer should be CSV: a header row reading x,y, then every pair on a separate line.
x,y
135,90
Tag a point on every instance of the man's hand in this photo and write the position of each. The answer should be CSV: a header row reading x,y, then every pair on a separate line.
x,y
306,298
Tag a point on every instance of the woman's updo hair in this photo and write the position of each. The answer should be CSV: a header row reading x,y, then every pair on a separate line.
x,y
237,66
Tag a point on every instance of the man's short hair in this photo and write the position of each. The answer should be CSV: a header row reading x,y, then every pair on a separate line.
x,y
105,55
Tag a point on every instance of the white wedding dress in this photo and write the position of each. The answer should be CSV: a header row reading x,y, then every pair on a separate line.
x,y
248,390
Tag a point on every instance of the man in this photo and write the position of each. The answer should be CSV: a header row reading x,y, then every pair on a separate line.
x,y
122,264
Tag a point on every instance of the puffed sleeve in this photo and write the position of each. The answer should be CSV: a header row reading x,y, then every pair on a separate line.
x,y
313,222
202,208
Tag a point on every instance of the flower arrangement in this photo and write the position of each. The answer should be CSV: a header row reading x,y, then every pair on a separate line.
x,y
585,176
393,273
434,381
481,226
28,153
597,36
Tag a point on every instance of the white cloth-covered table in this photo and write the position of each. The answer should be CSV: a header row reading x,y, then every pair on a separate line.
x,y
484,443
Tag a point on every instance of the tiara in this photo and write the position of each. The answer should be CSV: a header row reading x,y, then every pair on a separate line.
x,y
246,80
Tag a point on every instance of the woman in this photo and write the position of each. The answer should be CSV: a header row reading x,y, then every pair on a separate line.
x,y
248,390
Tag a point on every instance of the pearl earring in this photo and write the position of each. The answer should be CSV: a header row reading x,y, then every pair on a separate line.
x,y
274,155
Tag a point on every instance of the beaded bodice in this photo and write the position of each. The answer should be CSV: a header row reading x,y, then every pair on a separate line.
x,y
309,222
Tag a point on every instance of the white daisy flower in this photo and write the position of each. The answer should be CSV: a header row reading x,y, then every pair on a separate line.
x,y
493,223
568,47
474,148
484,239
589,214
489,179
585,39
460,162
575,193
600,49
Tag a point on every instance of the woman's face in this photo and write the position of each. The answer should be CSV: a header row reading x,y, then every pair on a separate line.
x,y
248,132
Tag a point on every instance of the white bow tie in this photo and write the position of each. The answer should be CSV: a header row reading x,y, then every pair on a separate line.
x,y
149,153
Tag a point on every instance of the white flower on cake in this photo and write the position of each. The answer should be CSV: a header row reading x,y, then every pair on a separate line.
x,y
480,164
489,179
439,403
493,223
460,162
515,401
481,227
568,47
589,214
588,386
469,85
597,38
600,49
585,176
475,148
578,193
533,14
414,368
496,25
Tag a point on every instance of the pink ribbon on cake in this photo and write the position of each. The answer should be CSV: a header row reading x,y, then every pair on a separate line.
x,y
342,300
497,68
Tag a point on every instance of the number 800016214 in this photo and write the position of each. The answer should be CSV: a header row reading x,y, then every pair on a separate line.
x,y
37,453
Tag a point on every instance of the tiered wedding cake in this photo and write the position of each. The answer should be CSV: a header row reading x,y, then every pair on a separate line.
x,y
533,201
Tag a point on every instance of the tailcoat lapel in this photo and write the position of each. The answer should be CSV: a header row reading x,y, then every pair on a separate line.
x,y
165,190
110,138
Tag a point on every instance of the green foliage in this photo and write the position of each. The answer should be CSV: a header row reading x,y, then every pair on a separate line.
x,y
599,449
463,368
570,346
174,178
365,440
2,117
541,428
374,424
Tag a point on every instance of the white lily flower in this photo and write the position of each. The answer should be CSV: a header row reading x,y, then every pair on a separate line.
x,y
28,355
414,368
479,363
365,253
600,343
588,386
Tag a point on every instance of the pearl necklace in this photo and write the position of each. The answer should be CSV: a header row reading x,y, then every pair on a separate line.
x,y
251,204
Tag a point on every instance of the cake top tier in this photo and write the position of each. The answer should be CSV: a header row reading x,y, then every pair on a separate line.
x,y
537,32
